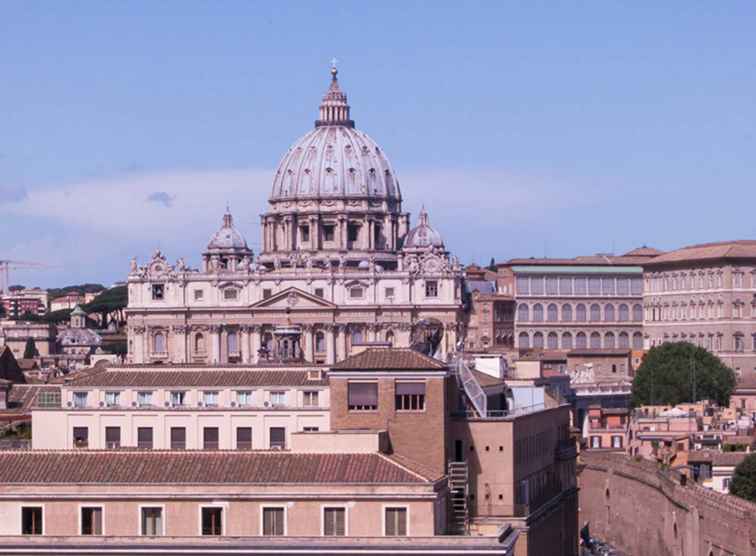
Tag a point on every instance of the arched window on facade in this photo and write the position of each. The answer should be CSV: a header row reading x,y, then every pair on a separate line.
x,y
552,341
158,343
320,342
390,337
624,313
567,312
624,340
580,313
523,341
552,313
609,313
537,312
637,312
538,340
356,336
523,312
566,340
232,341
595,340
637,340
199,343
581,340
595,312
609,340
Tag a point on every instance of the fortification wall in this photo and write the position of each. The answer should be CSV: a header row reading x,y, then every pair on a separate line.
x,y
647,512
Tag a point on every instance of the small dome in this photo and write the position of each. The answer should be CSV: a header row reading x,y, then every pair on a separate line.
x,y
423,235
227,237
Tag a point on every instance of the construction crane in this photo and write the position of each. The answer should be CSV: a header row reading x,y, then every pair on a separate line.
x,y
6,266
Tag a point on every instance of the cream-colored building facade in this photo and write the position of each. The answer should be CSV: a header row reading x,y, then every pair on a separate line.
x,y
340,266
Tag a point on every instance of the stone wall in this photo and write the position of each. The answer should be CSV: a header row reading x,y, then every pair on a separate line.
x,y
647,512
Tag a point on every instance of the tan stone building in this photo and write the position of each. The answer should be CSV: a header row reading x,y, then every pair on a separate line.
x,y
340,266
705,294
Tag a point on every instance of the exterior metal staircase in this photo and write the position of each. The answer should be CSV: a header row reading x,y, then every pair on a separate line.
x,y
459,519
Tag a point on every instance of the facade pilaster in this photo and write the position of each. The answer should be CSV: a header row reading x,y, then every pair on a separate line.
x,y
215,340
244,339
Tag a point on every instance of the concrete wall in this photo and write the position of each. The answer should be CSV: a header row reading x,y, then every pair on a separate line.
x,y
646,512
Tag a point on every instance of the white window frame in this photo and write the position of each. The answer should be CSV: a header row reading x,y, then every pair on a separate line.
x,y
270,398
215,393
224,518
150,393
117,398
184,401
344,507
383,518
249,394
86,399
21,519
162,519
317,395
262,518
81,507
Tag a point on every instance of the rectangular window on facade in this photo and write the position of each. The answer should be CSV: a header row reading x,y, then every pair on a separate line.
x,y
334,522
210,399
267,293
112,438
616,442
212,521
277,436
431,288
152,522
523,285
199,295
243,438
552,285
278,398
81,437
353,232
536,285
210,438
362,396
580,285
410,396
144,438
310,398
304,233
178,438
594,285
319,292
112,399
158,292
178,398
595,442
310,429
243,398
31,520
80,399
91,521
356,293
230,294
565,285
396,522
389,293
328,232
144,399
274,522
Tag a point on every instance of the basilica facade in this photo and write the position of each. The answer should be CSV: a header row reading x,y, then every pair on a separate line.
x,y
340,267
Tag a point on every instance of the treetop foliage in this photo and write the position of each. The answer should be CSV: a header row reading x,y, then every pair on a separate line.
x,y
743,482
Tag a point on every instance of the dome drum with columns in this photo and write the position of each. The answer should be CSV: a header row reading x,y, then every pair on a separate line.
x,y
339,266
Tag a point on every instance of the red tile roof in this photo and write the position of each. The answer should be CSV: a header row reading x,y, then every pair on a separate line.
x,y
199,467
186,378
391,360
583,260
740,249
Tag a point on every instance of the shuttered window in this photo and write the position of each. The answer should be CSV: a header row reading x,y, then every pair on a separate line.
x,y
152,521
363,396
396,522
410,396
178,438
112,437
212,521
273,522
91,521
244,438
144,438
334,522
278,437
210,438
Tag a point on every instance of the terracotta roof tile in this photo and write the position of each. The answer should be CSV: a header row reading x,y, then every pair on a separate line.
x,y
211,378
740,249
389,359
198,467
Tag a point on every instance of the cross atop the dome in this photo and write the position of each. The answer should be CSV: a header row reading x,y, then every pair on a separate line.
x,y
334,71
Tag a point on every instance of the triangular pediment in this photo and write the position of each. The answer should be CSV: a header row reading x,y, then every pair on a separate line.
x,y
294,299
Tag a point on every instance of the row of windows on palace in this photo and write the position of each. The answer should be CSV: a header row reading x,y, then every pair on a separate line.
x,y
581,340
710,341
698,310
213,518
682,281
609,313
354,292
579,285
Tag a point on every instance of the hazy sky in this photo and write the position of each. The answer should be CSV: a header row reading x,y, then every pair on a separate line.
x,y
526,128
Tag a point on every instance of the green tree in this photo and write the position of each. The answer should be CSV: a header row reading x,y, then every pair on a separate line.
x,y
30,350
667,373
743,482
492,265
111,303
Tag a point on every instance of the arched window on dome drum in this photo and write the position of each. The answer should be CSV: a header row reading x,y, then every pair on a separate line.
x,y
609,313
320,342
595,312
595,340
537,312
158,343
566,340
624,340
538,340
199,343
552,313
637,313
580,313
232,343
390,337
552,340
637,340
624,313
581,341
523,312
523,341
566,313
609,340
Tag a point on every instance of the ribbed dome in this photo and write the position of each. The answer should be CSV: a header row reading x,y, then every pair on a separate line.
x,y
227,237
423,235
334,160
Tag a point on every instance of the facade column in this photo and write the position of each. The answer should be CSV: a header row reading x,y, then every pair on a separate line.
x,y
244,339
309,345
178,344
343,224
215,335
339,333
137,338
372,333
256,336
330,335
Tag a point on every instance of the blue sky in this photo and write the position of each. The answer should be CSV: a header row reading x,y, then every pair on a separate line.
x,y
526,128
